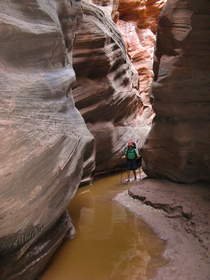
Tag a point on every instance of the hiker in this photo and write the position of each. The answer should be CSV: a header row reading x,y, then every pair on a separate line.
x,y
132,155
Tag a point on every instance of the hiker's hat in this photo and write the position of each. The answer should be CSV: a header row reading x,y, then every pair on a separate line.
x,y
130,143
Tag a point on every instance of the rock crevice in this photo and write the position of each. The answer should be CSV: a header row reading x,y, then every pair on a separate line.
x,y
107,88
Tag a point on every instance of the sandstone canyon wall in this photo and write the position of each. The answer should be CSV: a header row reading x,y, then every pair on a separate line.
x,y
137,22
178,146
107,88
43,137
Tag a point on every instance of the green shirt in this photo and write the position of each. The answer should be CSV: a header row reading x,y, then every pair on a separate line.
x,y
131,153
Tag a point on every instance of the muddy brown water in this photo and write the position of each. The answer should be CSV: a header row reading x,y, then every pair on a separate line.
x,y
111,242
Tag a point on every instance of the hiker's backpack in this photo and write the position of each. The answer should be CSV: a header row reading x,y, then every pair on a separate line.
x,y
131,153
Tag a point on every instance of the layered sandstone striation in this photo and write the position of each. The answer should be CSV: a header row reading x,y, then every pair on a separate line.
x,y
107,88
178,145
110,7
137,22
43,137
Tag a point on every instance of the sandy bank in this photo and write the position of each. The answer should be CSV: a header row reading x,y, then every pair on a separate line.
x,y
179,214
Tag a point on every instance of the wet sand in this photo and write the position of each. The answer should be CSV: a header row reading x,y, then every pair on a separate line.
x,y
180,215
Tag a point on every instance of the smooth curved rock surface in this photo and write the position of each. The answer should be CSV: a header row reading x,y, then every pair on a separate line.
x,y
43,137
178,145
110,103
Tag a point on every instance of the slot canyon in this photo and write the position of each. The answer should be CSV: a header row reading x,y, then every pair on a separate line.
x,y
79,80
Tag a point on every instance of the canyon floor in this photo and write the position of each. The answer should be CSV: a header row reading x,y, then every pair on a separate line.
x,y
180,215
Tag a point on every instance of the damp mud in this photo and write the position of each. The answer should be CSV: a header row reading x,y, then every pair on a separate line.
x,y
111,242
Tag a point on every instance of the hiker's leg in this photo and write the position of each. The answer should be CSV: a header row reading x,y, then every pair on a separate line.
x,y
140,172
134,173
128,169
129,174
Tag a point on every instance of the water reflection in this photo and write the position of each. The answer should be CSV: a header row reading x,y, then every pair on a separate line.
x,y
111,242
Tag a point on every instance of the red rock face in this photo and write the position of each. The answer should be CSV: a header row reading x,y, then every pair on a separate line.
x,y
107,89
178,145
138,24
143,12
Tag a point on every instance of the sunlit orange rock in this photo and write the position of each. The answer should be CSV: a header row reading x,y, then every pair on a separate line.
x,y
138,24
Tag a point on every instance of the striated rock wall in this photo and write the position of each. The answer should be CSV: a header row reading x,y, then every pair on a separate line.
x,y
110,7
43,137
106,92
178,145
138,24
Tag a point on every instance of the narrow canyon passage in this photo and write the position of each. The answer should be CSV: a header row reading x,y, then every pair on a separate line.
x,y
101,249
79,80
